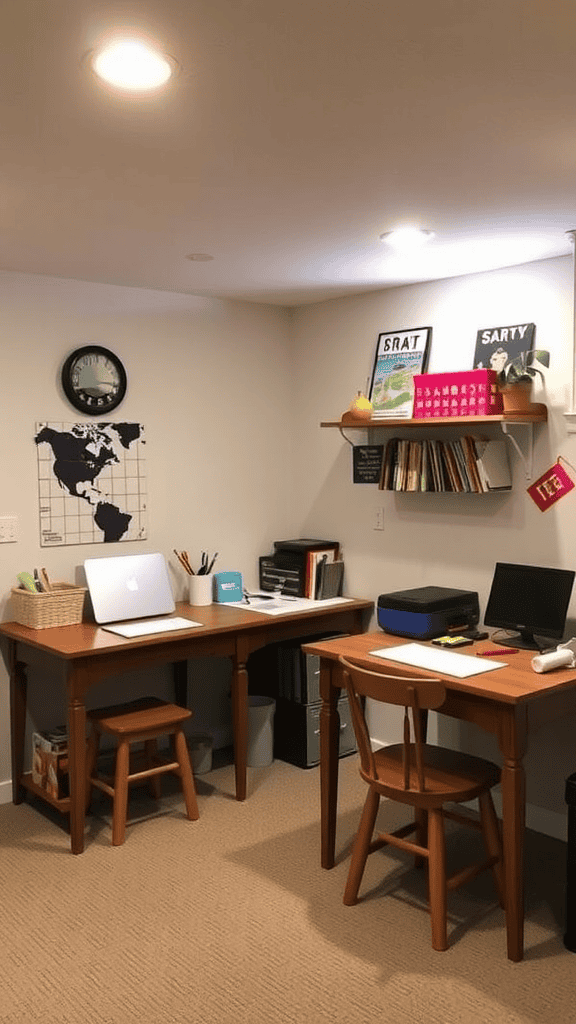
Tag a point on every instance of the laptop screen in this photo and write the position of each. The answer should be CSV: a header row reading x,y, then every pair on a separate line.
x,y
128,587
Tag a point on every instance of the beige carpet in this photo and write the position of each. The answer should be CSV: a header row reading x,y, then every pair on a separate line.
x,y
231,919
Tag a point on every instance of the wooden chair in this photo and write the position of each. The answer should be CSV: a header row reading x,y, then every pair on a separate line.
x,y
424,776
143,720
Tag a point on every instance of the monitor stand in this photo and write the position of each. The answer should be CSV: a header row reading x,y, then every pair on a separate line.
x,y
524,642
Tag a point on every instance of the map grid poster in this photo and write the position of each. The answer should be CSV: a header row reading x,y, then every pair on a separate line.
x,y
92,484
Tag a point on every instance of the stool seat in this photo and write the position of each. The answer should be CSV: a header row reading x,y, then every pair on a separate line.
x,y
143,720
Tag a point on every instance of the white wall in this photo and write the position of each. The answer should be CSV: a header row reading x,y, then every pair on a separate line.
x,y
444,540
232,395
212,382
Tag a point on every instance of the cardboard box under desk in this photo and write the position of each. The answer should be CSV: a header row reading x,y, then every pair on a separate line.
x,y
50,764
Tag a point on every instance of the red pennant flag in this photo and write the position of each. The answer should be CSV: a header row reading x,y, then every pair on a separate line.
x,y
550,487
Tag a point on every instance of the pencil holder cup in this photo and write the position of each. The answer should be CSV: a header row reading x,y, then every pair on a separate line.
x,y
200,589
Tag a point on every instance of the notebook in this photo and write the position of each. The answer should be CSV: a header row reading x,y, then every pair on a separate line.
x,y
436,660
133,587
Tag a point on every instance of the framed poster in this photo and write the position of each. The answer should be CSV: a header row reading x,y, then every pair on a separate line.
x,y
399,355
498,346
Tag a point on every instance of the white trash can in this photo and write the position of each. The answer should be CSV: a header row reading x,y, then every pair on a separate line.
x,y
260,731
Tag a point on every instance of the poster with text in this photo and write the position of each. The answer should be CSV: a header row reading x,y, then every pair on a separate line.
x,y
498,346
399,356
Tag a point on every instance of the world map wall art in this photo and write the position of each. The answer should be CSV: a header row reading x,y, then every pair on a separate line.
x,y
91,482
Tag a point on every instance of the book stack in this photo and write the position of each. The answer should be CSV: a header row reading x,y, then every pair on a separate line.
x,y
303,567
50,761
466,393
464,465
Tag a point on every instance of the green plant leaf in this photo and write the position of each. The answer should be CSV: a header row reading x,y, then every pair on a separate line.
x,y
540,354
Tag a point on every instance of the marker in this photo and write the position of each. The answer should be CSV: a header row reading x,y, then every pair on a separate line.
x,y
500,650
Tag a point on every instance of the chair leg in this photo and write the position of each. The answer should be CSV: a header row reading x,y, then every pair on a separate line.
x,y
150,755
120,808
91,759
186,776
437,878
492,840
361,847
421,817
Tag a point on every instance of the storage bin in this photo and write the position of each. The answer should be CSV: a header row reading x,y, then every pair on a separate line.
x,y
464,393
61,606
260,752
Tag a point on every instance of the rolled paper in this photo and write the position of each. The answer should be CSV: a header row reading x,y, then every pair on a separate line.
x,y
555,659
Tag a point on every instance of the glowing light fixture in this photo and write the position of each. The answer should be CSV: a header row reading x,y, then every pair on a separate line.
x,y
407,239
133,65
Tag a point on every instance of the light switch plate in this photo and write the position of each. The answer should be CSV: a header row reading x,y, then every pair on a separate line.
x,y
8,529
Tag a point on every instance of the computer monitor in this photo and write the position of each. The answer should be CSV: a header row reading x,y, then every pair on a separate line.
x,y
531,600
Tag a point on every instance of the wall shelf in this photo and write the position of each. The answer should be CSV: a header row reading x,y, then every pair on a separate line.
x,y
521,438
538,415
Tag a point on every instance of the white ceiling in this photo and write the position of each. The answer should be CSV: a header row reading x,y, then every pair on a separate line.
x,y
296,133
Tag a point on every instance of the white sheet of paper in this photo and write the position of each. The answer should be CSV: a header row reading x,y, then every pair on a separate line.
x,y
285,605
436,660
147,627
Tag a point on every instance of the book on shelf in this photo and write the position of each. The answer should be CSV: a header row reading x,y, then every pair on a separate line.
x,y
494,465
465,465
329,579
314,560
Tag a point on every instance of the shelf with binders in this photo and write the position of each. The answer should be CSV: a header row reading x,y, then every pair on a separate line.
x,y
517,428
463,465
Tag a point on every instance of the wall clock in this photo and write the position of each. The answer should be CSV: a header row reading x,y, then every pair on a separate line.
x,y
94,380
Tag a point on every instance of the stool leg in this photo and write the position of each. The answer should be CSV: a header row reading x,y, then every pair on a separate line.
x,y
186,777
151,754
91,759
120,808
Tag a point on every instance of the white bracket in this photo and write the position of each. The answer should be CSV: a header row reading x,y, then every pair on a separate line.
x,y
525,453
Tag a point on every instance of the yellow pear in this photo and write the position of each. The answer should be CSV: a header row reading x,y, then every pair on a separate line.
x,y
360,407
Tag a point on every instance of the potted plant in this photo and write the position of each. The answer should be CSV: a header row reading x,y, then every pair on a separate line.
x,y
516,376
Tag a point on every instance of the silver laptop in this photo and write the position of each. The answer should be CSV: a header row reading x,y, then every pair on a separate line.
x,y
132,587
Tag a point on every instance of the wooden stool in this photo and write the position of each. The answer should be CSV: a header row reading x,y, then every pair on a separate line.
x,y
144,721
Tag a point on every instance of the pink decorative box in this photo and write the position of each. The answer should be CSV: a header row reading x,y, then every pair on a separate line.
x,y
466,393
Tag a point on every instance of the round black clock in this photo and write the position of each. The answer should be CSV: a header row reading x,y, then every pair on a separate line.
x,y
94,380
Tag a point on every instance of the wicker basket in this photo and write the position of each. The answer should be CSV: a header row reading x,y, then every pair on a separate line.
x,y
62,606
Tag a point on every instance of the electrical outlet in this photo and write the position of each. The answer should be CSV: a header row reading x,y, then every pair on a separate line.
x,y
378,519
8,529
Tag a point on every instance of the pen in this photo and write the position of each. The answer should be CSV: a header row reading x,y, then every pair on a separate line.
x,y
500,650
183,559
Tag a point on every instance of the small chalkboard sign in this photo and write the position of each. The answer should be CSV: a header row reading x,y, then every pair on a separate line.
x,y
367,463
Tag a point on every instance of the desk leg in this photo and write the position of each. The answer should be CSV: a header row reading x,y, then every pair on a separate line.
x,y
180,678
18,694
240,723
512,740
329,750
77,769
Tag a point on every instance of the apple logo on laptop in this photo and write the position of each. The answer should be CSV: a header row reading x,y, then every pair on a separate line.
x,y
132,583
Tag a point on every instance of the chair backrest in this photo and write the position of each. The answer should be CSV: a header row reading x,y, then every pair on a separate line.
x,y
393,686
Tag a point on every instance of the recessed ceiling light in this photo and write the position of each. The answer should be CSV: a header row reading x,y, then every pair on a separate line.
x,y
200,257
133,65
408,238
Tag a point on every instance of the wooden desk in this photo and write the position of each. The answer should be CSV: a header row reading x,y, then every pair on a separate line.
x,y
507,702
83,655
